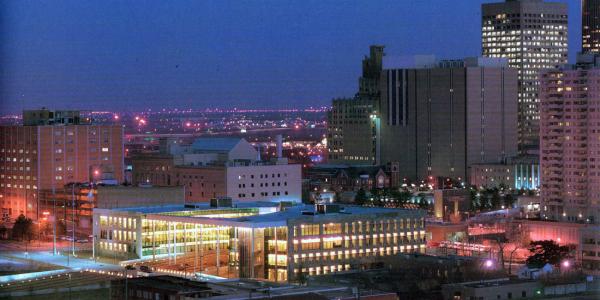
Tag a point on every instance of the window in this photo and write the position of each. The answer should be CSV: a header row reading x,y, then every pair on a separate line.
x,y
104,149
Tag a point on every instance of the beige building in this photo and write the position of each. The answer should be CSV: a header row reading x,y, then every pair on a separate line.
x,y
438,118
51,155
569,144
533,36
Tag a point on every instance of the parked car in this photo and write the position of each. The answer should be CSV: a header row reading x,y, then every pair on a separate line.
x,y
146,269
129,267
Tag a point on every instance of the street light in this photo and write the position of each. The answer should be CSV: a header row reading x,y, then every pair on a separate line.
x,y
488,264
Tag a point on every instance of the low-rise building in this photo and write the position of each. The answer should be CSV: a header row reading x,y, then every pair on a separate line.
x,y
516,174
451,204
219,167
262,240
505,288
590,249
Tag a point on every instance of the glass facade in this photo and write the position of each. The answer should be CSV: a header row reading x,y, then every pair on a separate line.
x,y
277,250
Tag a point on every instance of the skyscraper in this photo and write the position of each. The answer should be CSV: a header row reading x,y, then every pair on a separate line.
x,y
53,149
437,119
352,131
590,26
569,143
532,34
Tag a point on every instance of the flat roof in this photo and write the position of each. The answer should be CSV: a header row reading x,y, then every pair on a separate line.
x,y
265,214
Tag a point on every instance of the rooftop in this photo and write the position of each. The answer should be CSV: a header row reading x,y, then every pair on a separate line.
x,y
215,144
258,213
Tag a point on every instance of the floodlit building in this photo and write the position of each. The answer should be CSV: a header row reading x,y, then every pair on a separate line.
x,y
271,241
520,173
52,149
219,167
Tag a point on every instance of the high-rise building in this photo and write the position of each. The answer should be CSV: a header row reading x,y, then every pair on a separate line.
x,y
352,136
353,132
437,119
569,141
590,26
532,34
50,151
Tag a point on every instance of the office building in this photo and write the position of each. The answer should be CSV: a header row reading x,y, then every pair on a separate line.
x,y
519,173
77,202
438,118
569,144
353,132
590,26
220,167
54,150
533,35
260,240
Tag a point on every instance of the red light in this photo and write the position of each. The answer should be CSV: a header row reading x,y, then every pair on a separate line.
x,y
96,172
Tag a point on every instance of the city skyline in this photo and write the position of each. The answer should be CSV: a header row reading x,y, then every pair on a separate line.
x,y
146,59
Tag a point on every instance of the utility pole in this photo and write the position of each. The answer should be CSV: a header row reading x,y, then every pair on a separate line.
x,y
54,225
73,216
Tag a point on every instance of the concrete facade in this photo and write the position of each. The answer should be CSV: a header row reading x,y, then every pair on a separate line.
x,y
47,157
436,121
570,110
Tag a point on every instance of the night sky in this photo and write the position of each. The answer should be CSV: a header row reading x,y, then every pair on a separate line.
x,y
135,55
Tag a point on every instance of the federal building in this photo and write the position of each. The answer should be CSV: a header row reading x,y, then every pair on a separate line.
x,y
263,240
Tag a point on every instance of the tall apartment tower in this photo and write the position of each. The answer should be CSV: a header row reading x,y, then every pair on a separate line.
x,y
590,26
52,149
569,141
437,119
532,34
353,128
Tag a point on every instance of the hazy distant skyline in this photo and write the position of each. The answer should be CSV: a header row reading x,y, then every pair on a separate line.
x,y
134,55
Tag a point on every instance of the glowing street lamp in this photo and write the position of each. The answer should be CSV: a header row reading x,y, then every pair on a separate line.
x,y
488,264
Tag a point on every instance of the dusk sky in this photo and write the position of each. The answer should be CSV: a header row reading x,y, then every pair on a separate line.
x,y
135,55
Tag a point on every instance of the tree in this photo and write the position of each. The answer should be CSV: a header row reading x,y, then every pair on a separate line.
x,y
509,200
301,277
496,200
361,197
474,200
404,197
23,228
546,252
3,231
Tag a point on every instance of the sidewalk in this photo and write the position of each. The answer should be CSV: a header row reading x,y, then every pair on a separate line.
x,y
68,262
